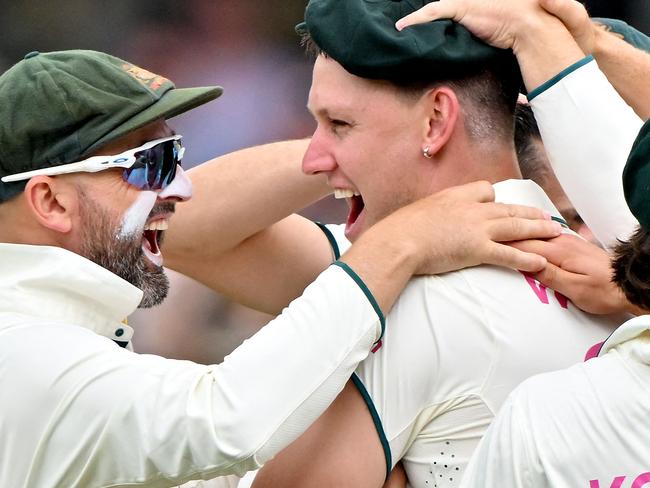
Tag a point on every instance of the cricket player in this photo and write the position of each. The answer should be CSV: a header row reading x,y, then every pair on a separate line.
x,y
583,426
392,128
90,175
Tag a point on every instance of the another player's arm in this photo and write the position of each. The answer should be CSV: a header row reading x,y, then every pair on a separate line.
x,y
626,67
582,272
237,234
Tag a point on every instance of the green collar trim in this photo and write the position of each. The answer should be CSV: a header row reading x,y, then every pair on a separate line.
x,y
376,420
330,237
366,292
559,77
561,221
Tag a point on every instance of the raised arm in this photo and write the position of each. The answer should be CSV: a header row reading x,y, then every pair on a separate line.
x,y
625,64
229,238
238,235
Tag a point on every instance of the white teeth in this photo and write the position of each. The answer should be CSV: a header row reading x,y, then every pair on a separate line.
x,y
157,225
344,193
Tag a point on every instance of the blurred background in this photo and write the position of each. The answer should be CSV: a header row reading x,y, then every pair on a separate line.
x,y
248,47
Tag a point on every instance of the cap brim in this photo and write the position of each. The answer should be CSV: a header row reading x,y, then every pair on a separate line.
x,y
175,102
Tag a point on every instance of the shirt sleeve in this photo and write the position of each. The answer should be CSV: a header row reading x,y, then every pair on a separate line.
x,y
125,418
588,131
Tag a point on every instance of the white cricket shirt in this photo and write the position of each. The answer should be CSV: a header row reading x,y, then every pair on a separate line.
x,y
586,426
456,345
78,411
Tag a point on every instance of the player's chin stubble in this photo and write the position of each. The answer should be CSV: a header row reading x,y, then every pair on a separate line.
x,y
121,255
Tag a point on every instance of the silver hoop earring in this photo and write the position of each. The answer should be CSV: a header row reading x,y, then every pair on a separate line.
x,y
426,153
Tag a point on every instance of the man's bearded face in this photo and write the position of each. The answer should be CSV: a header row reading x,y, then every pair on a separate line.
x,y
104,243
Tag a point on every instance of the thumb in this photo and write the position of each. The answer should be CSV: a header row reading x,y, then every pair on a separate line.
x,y
554,277
571,12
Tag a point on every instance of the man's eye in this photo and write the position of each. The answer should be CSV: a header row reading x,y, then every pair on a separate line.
x,y
337,124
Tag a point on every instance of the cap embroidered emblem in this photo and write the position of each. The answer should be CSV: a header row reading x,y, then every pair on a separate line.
x,y
147,78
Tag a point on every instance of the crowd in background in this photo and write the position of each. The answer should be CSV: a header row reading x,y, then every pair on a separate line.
x,y
251,49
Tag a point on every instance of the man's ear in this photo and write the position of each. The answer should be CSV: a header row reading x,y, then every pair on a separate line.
x,y
444,111
52,202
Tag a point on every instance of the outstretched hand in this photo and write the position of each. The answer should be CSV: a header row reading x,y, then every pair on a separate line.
x,y
580,271
463,226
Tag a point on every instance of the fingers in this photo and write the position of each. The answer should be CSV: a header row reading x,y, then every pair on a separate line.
x,y
523,212
509,257
517,229
431,11
562,249
553,253
570,12
558,279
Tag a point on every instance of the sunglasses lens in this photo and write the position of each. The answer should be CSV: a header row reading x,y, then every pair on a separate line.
x,y
154,168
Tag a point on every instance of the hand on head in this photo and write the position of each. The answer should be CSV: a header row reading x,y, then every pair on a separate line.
x,y
496,22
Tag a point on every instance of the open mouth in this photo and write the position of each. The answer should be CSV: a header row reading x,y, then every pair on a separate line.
x,y
152,238
356,213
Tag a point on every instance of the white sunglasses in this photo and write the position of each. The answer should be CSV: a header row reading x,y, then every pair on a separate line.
x,y
151,166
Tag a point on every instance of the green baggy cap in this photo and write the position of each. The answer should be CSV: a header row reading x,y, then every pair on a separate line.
x,y
57,108
361,36
636,178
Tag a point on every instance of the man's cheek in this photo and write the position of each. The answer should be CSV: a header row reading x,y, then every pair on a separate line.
x,y
137,214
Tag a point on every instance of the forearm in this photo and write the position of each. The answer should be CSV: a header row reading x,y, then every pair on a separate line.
x,y
384,261
238,195
227,418
627,69
544,48
313,347
598,149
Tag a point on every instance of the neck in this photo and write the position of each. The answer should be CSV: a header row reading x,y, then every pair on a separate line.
x,y
470,163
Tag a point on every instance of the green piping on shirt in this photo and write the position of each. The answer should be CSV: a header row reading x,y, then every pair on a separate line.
x,y
367,292
330,237
376,420
557,78
561,221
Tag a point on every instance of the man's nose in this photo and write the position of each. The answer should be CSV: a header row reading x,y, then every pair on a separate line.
x,y
318,158
179,190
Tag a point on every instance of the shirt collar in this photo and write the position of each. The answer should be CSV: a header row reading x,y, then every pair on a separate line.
x,y
60,286
527,192
629,330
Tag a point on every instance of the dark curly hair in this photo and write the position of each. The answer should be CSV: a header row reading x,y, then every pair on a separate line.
x,y
631,265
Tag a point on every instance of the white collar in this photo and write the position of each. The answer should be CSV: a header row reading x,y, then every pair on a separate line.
x,y
527,192
60,286
629,330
